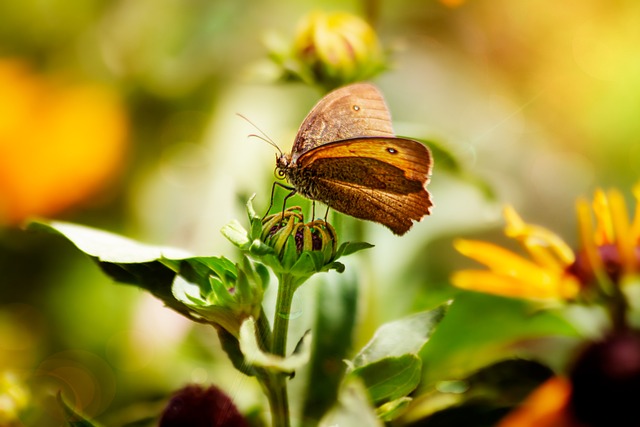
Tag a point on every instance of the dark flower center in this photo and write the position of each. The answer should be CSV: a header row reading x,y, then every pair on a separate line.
x,y
316,240
610,256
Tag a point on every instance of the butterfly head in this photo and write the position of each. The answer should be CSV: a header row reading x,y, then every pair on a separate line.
x,y
283,163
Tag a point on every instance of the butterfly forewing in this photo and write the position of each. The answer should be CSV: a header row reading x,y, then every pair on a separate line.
x,y
408,155
353,111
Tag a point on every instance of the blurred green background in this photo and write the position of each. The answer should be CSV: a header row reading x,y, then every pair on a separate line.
x,y
122,115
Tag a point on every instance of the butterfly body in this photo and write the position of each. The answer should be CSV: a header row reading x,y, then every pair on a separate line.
x,y
347,157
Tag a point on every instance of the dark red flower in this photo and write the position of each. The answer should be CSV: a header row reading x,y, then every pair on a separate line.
x,y
606,382
196,406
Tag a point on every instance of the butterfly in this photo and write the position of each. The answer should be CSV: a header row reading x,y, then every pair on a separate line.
x,y
346,156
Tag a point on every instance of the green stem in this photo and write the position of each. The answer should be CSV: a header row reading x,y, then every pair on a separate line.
x,y
277,382
276,391
618,307
282,315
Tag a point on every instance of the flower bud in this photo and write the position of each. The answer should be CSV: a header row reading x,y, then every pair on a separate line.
x,y
287,245
334,49
290,237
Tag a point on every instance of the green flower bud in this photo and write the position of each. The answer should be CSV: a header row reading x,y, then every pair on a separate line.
x,y
288,245
332,50
290,237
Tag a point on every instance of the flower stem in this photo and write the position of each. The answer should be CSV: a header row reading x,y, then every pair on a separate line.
x,y
282,315
277,389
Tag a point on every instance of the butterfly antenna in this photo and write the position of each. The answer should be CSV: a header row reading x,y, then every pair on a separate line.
x,y
263,136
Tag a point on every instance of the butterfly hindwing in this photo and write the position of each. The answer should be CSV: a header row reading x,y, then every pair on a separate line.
x,y
378,179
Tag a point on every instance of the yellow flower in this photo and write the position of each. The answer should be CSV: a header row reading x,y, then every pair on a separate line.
x,y
14,398
608,251
543,275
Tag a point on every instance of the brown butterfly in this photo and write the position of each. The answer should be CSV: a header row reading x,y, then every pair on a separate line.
x,y
346,156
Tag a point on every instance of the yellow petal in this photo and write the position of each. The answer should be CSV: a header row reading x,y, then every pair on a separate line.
x,y
548,258
509,286
622,230
587,243
545,247
635,224
604,226
501,260
515,224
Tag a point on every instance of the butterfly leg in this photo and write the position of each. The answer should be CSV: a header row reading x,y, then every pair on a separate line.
x,y
326,214
273,191
284,202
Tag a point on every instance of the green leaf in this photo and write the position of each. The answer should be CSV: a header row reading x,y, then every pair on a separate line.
x,y
124,260
337,266
337,303
188,292
348,248
199,270
258,248
400,337
236,234
231,346
74,418
263,273
307,263
486,328
108,247
390,378
290,254
480,399
352,409
251,212
254,355
392,410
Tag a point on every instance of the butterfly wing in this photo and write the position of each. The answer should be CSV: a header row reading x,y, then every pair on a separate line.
x,y
351,111
373,178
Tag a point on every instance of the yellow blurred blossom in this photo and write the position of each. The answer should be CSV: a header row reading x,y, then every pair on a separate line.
x,y
59,143
543,275
14,398
610,248
552,270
